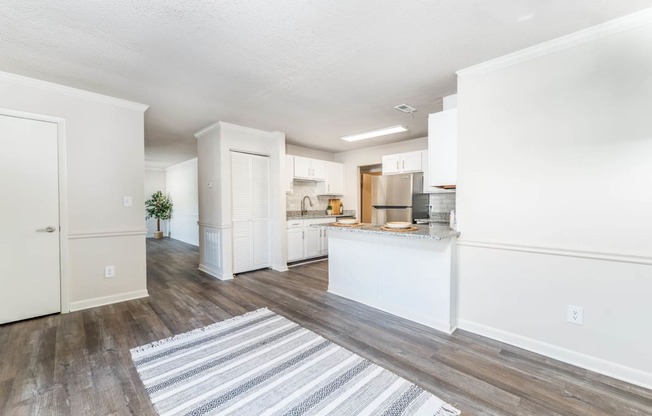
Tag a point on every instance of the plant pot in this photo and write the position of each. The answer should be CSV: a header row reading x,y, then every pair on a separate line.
x,y
158,235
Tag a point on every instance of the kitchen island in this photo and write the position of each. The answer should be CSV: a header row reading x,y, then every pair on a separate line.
x,y
406,273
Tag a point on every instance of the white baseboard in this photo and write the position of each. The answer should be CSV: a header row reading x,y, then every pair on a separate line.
x,y
107,300
437,324
214,272
598,365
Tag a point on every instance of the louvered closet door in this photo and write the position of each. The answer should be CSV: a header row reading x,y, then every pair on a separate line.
x,y
250,206
260,210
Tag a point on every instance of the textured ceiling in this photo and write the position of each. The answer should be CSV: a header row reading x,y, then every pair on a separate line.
x,y
316,70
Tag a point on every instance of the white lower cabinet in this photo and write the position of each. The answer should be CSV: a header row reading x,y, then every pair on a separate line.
x,y
295,244
306,241
311,242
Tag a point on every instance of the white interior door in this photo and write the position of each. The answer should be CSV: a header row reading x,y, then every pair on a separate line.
x,y
29,219
241,195
260,211
250,211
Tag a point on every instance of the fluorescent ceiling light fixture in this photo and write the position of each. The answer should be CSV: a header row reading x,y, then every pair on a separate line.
x,y
375,133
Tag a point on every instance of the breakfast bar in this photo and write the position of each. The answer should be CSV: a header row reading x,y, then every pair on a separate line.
x,y
405,273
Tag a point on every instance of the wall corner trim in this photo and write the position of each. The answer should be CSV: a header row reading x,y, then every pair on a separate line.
x,y
598,365
70,91
611,27
107,300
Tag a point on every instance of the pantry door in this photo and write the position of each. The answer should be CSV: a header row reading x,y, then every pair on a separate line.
x,y
250,211
30,283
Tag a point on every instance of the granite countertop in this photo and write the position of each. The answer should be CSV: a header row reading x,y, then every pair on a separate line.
x,y
433,231
313,214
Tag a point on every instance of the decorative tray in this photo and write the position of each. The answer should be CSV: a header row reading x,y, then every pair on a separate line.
x,y
339,224
410,228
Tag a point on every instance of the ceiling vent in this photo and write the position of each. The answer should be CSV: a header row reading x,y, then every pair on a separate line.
x,y
405,108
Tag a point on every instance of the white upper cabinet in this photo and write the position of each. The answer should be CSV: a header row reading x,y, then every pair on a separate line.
x,y
402,163
442,148
302,167
334,183
309,169
391,164
427,189
411,162
318,170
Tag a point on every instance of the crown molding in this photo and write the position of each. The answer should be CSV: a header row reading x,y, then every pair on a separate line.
x,y
207,129
602,30
70,91
156,165
236,127
185,162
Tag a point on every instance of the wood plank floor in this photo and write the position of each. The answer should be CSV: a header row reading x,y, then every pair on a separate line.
x,y
79,363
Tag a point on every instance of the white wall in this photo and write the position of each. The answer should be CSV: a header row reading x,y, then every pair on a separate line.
x,y
214,144
154,181
564,140
353,159
104,161
181,181
306,152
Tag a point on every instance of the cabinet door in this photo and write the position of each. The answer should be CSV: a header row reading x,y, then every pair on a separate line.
x,y
391,164
311,242
302,167
411,162
334,178
318,169
442,148
295,244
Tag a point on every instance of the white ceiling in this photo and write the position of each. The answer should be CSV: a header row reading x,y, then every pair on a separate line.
x,y
316,70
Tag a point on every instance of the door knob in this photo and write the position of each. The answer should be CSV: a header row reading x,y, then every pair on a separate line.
x,y
48,229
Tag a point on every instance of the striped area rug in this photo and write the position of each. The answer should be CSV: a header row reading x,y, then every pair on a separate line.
x,y
261,363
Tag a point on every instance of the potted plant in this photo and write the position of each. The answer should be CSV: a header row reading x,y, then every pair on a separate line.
x,y
329,210
158,206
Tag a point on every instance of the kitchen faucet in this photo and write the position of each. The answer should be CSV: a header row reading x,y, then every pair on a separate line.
x,y
303,204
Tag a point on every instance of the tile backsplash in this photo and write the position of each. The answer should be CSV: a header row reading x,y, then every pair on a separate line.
x,y
301,189
444,202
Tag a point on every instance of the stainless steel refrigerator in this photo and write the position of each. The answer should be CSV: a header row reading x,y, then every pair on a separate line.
x,y
398,198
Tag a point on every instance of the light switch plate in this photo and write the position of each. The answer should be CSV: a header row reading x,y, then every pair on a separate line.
x,y
127,202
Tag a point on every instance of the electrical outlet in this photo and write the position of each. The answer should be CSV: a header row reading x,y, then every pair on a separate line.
x,y
575,315
109,271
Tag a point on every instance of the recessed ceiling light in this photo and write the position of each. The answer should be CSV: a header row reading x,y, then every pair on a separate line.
x,y
408,109
375,133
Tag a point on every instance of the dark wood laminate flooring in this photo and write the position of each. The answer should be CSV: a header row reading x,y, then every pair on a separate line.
x,y
79,363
